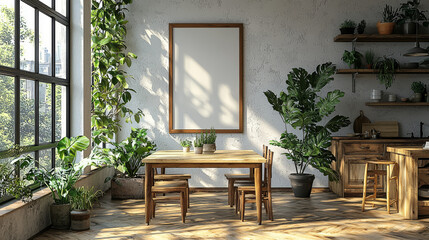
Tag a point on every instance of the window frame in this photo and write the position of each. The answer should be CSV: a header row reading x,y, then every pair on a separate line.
x,y
17,73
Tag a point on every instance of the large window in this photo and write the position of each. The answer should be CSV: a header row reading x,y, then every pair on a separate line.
x,y
34,79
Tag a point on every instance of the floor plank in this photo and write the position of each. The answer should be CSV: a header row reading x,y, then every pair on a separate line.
x,y
323,216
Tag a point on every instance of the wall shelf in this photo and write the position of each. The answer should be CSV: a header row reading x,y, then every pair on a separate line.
x,y
374,71
375,104
381,38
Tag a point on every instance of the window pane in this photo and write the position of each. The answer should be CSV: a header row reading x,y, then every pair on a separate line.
x,y
7,33
45,44
7,112
45,158
60,112
61,6
27,37
47,2
60,50
45,112
27,113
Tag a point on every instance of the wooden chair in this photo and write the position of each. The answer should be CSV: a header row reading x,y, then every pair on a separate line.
x,y
179,186
266,191
173,177
373,175
239,177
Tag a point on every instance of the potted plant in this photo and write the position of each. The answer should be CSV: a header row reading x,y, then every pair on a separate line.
x,y
369,59
81,203
209,141
126,157
60,180
418,89
348,27
390,16
410,16
386,70
198,144
353,59
361,27
186,145
10,184
304,110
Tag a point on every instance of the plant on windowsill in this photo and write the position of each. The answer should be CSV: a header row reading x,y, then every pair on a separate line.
x,y
198,144
82,201
61,179
353,59
209,141
126,157
418,89
10,184
386,67
186,145
303,109
390,16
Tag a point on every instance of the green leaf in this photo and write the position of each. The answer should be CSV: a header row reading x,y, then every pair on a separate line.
x,y
105,40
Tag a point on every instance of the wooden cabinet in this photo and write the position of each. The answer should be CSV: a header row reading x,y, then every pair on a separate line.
x,y
351,155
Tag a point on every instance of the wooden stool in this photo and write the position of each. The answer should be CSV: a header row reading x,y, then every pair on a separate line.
x,y
373,175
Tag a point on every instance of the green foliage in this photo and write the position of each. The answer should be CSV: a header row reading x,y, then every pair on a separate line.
x,y
386,70
418,87
303,109
410,12
126,157
361,27
60,180
110,90
12,185
369,57
352,58
83,199
390,14
199,141
209,137
186,143
348,24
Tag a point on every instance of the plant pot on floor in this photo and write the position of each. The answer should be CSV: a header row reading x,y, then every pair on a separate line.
x,y
301,184
198,150
347,30
409,28
128,188
60,216
80,220
385,28
209,148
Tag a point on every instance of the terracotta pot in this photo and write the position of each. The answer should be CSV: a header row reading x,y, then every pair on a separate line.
x,y
128,188
209,148
60,216
385,28
186,149
198,150
80,220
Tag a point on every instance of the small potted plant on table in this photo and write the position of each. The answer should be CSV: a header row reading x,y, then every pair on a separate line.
x,y
198,144
390,16
186,145
418,89
81,203
209,141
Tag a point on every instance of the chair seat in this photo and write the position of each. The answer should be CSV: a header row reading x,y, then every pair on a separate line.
x,y
170,186
172,176
244,183
250,188
237,176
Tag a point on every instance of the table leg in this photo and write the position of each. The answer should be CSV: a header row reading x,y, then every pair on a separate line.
x,y
148,191
258,193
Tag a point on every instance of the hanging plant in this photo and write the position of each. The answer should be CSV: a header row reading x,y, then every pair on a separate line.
x,y
110,90
386,70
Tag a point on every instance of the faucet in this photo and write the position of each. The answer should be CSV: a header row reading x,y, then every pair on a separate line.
x,y
421,129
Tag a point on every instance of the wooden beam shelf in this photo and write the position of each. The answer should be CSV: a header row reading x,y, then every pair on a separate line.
x,y
381,38
374,104
374,71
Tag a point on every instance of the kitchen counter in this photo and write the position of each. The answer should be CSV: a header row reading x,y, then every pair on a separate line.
x,y
412,173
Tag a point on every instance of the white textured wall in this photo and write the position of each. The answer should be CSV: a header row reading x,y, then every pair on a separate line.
x,y
278,35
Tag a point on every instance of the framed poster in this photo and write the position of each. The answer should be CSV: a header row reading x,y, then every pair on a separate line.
x,y
205,77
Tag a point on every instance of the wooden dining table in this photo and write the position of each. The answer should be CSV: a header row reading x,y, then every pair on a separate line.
x,y
220,159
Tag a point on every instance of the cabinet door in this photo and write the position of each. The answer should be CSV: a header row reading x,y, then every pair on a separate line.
x,y
355,172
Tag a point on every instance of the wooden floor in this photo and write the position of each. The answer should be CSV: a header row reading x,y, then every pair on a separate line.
x,y
323,216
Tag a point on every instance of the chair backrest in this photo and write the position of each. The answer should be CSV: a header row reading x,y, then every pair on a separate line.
x,y
268,169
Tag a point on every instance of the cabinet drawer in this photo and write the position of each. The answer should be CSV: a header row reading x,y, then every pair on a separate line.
x,y
363,148
362,159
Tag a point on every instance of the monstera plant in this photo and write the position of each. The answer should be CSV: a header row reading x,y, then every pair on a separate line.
x,y
304,109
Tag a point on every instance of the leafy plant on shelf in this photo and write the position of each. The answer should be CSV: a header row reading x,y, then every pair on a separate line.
x,y
348,24
410,12
352,58
126,156
61,179
83,199
386,67
390,14
209,137
198,142
303,109
370,58
186,143
361,27
12,185
418,87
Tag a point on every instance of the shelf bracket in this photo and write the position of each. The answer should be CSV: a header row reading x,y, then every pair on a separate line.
x,y
354,75
354,44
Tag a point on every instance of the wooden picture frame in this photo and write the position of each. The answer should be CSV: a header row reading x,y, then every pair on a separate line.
x,y
205,77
